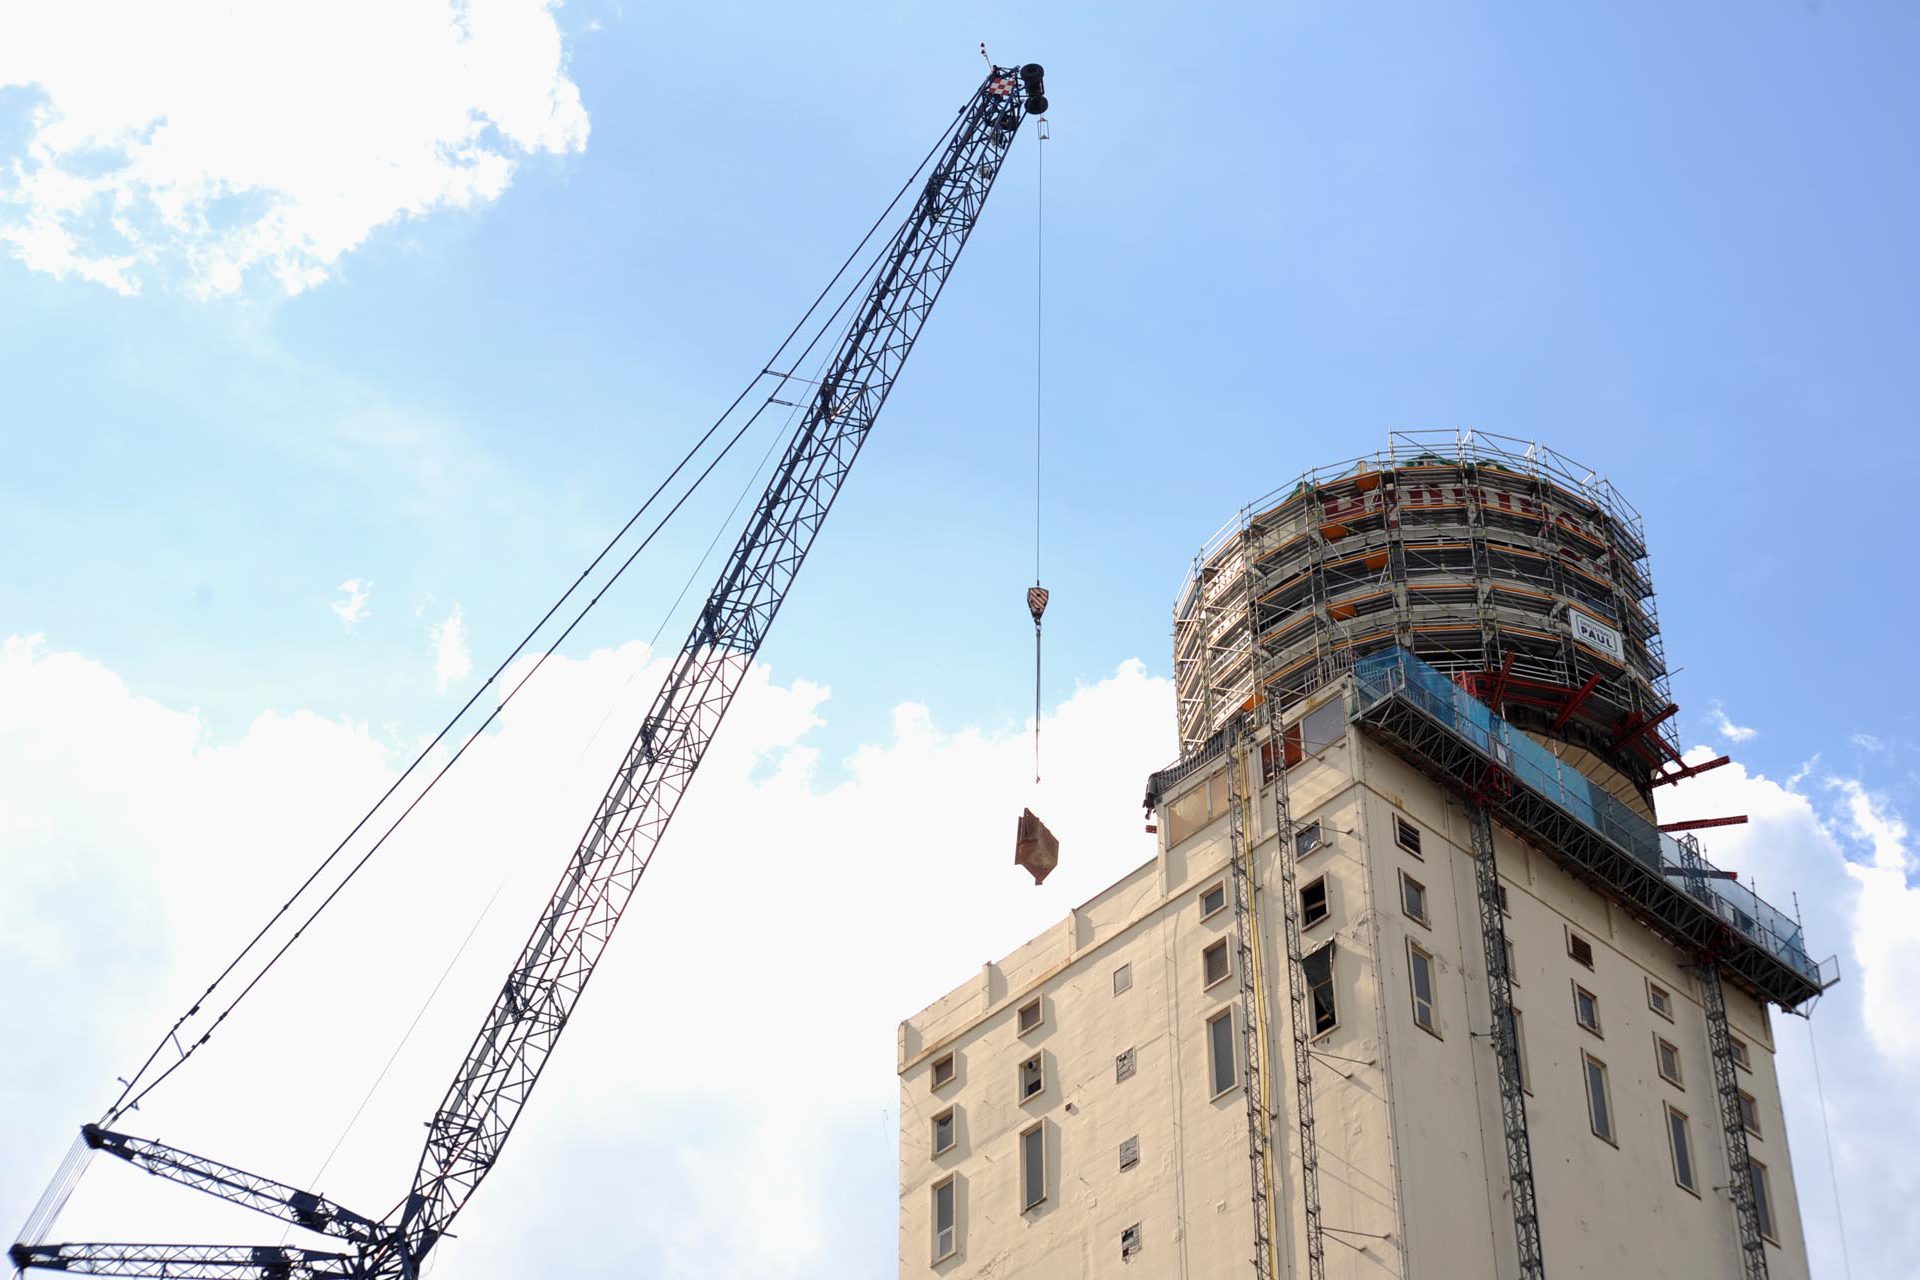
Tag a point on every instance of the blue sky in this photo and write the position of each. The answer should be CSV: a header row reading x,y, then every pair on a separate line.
x,y
1676,246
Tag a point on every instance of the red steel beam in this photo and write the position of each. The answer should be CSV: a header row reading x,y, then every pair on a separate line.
x,y
1637,725
1695,824
1573,704
1681,775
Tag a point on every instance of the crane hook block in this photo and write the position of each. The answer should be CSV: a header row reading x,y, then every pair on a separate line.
x,y
1035,847
1036,602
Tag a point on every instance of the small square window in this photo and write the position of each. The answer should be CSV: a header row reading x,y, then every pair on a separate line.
x,y
1129,1242
1413,898
1215,964
1599,1100
1313,902
943,1071
1500,897
1307,839
1741,1058
943,1131
1213,900
1659,999
1666,1059
1122,979
1580,949
1030,1015
1406,835
1130,1153
1033,1077
1125,1063
1586,1008
1749,1113
1420,972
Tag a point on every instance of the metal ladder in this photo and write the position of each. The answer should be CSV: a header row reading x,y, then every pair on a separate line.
x,y
1753,1250
1506,1049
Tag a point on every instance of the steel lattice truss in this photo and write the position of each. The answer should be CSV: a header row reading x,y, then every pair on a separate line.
x,y
1252,1024
1726,1088
518,1036
1506,1050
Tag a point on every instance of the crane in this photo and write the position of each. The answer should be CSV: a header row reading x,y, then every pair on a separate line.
x,y
517,1037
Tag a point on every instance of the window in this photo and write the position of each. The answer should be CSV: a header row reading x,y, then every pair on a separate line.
x,y
1033,1077
1741,1058
1318,968
943,1071
1420,970
1213,899
1520,1051
1198,807
946,1237
1500,897
1307,839
1659,999
1122,978
1580,949
1125,1063
1413,898
1129,1241
1666,1059
1313,902
1220,1060
1130,1153
1029,1015
1033,1166
1406,835
1215,964
1586,1008
1599,1102
1513,963
1323,727
1763,1201
943,1132
1749,1113
1682,1147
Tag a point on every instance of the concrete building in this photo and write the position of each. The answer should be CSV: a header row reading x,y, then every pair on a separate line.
x,y
1415,986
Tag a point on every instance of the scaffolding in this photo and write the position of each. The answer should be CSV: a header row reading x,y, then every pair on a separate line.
x,y
1506,1050
1496,560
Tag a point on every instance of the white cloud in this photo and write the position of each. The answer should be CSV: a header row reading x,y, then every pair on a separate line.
x,y
1847,868
352,608
1726,728
205,141
452,660
744,1018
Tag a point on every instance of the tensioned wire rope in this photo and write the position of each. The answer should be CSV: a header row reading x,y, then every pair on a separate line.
x,y
134,1090
856,289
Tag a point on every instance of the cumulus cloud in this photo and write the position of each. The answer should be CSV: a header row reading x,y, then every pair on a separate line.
x,y
1839,852
203,141
1725,727
352,607
452,660
744,1019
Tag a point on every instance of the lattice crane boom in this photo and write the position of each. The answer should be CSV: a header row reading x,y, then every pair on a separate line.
x,y
517,1038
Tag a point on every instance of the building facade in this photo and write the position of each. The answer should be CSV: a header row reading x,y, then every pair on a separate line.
x,y
1327,1031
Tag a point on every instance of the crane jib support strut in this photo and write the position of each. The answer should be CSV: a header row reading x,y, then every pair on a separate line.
x,y
497,1076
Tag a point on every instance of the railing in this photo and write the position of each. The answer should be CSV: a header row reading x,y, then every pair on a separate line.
x,y
1398,673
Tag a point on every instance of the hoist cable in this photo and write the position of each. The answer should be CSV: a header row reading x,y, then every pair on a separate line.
x,y
133,1091
1039,313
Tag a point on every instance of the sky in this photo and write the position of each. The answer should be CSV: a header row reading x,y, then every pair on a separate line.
x,y
335,340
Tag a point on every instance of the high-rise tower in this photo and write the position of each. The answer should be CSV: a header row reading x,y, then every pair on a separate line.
x,y
1416,985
